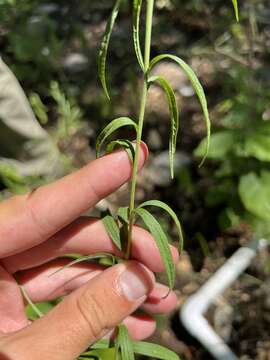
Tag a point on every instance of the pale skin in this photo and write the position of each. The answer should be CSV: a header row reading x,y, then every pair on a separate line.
x,y
38,228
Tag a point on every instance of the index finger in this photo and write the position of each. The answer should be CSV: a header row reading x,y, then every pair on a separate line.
x,y
30,219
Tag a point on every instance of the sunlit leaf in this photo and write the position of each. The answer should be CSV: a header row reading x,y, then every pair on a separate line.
x,y
123,345
112,229
169,210
100,354
174,116
125,144
86,258
235,5
162,243
102,58
257,145
123,214
197,87
153,350
39,309
221,144
111,128
30,303
137,4
254,191
101,344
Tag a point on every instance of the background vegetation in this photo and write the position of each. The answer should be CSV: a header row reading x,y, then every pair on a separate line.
x,y
52,49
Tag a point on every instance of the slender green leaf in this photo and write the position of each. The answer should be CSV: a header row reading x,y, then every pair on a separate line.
x,y
221,144
30,303
125,144
123,345
254,191
197,87
257,145
111,128
162,243
101,344
42,307
102,58
113,230
123,214
100,354
153,350
137,5
173,215
235,5
174,116
86,258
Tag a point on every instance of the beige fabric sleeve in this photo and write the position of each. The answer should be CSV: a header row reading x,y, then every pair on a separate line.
x,y
23,142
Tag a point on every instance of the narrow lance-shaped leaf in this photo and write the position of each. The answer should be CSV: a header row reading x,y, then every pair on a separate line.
x,y
86,258
102,57
123,214
162,243
112,229
30,302
174,116
101,344
137,4
153,350
99,354
235,5
111,128
197,87
173,215
125,144
123,345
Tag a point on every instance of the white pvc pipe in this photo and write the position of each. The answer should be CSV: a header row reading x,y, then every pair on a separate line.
x,y
192,311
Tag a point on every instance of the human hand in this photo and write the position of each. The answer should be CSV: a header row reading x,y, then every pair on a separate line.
x,y
36,229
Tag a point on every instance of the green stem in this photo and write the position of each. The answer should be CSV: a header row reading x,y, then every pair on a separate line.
x,y
29,301
147,51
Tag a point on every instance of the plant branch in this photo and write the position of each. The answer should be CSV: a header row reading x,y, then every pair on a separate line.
x,y
147,51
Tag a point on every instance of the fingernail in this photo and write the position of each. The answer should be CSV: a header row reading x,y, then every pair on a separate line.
x,y
145,150
136,282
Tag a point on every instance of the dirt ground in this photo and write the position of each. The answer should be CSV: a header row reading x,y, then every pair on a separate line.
x,y
241,316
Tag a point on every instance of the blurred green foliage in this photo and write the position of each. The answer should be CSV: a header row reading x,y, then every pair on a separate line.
x,y
240,147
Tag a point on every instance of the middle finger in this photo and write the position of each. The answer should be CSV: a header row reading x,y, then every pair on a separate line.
x,y
88,236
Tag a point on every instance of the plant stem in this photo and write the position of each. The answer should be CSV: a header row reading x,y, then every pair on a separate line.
x,y
147,51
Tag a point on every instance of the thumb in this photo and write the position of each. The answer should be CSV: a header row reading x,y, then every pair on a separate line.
x,y
85,316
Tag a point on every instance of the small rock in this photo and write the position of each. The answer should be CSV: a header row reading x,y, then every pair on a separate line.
x,y
75,62
154,139
159,171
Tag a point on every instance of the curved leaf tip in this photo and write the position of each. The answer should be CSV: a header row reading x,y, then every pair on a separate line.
x,y
172,214
174,113
137,4
102,57
197,87
111,128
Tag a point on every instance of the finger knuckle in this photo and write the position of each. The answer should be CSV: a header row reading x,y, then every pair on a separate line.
x,y
92,314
